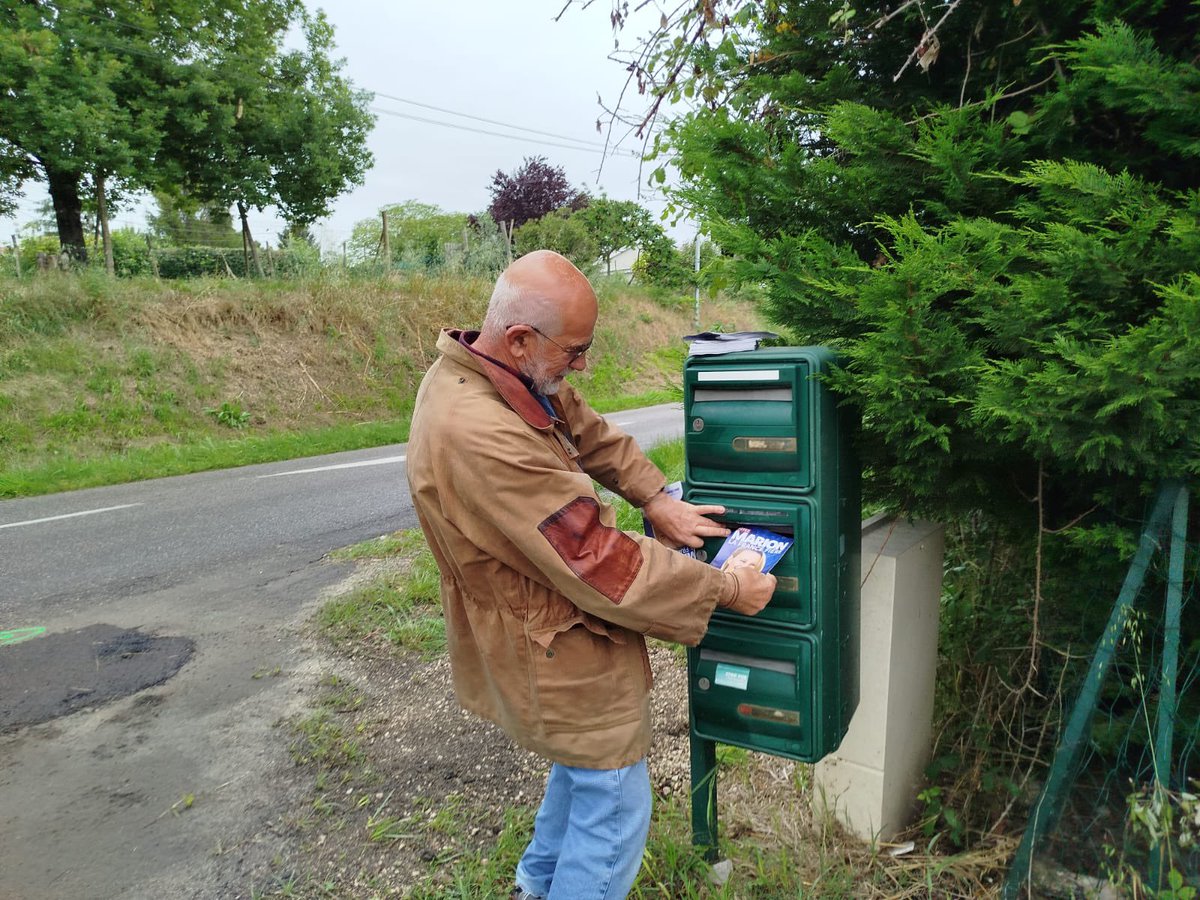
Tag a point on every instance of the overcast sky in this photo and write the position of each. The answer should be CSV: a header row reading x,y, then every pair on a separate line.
x,y
508,62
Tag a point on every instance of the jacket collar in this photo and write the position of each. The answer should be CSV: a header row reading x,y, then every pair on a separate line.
x,y
456,343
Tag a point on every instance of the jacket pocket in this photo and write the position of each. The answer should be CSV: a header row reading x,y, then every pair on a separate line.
x,y
583,680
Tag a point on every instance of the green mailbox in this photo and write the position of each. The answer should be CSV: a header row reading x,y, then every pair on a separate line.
x,y
749,688
760,421
765,439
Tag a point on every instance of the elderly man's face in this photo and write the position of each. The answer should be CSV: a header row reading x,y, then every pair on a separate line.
x,y
555,357
546,373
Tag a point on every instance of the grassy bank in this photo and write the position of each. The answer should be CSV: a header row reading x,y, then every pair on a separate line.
x,y
104,381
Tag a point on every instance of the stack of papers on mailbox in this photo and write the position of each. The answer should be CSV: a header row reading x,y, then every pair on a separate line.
x,y
709,343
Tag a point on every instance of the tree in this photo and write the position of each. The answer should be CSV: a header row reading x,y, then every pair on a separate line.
x,y
996,224
417,233
184,222
161,95
617,224
993,211
285,129
561,231
531,192
81,109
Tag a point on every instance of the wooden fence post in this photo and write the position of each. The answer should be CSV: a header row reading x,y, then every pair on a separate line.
x,y
105,234
153,256
387,245
16,255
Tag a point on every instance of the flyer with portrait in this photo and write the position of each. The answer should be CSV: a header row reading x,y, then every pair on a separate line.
x,y
752,548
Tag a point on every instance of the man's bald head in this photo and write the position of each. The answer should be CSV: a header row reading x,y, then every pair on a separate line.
x,y
543,289
541,319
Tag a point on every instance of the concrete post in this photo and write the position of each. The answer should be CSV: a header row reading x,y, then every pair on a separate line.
x,y
871,781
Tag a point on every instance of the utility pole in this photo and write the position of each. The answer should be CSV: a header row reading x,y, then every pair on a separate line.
x,y
697,322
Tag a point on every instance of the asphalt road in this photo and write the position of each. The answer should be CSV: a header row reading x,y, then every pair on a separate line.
x,y
230,562
65,549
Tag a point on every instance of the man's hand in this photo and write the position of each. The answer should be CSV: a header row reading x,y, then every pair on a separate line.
x,y
754,591
677,523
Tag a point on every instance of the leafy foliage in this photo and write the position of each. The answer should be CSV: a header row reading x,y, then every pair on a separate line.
x,y
532,191
191,95
562,232
183,222
417,234
271,127
997,226
619,224
992,210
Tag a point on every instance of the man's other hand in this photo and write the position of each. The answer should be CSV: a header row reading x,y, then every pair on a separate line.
x,y
754,591
679,524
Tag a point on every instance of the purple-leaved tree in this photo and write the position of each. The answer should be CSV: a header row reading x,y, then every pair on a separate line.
x,y
530,192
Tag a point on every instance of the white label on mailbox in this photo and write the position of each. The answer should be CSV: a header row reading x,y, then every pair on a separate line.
x,y
744,375
736,677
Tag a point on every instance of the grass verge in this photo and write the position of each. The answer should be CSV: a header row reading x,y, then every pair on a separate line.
x,y
163,460
399,607
106,381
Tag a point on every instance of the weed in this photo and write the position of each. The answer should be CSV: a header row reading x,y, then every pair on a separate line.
x,y
322,741
376,548
388,829
402,608
230,414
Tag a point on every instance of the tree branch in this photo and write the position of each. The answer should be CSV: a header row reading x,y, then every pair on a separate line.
x,y
928,36
879,23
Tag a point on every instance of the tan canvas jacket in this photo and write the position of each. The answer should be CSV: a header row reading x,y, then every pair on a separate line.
x,y
545,600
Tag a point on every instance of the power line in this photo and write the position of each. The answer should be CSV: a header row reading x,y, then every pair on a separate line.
x,y
511,137
464,115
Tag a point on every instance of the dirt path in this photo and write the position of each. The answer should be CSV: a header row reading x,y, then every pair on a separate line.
x,y
270,764
391,781
142,796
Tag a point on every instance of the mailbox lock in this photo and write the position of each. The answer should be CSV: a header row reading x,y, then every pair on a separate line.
x,y
703,684
697,424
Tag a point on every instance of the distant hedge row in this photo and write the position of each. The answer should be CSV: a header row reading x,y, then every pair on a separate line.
x,y
132,256
195,262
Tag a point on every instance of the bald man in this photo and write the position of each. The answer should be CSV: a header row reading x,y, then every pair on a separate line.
x,y
546,602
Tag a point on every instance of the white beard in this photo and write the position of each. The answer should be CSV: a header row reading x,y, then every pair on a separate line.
x,y
544,382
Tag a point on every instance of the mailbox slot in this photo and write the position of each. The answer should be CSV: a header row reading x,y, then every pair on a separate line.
x,y
793,603
751,689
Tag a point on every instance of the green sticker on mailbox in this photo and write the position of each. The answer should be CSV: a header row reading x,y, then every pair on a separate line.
x,y
737,677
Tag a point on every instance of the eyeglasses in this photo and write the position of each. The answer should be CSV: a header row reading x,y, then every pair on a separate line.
x,y
573,353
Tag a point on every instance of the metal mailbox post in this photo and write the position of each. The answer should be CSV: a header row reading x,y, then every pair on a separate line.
x,y
765,439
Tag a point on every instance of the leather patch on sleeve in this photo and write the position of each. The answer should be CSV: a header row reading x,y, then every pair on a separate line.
x,y
603,557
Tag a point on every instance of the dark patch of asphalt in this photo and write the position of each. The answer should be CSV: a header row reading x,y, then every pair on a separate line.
x,y
50,676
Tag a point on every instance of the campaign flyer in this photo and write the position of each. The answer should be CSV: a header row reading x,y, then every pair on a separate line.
x,y
752,548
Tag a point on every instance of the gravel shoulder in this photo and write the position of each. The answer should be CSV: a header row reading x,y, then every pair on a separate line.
x,y
390,781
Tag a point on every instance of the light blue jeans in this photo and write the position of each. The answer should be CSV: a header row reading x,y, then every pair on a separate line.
x,y
589,834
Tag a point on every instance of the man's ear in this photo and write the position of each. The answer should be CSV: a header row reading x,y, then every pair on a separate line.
x,y
518,338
